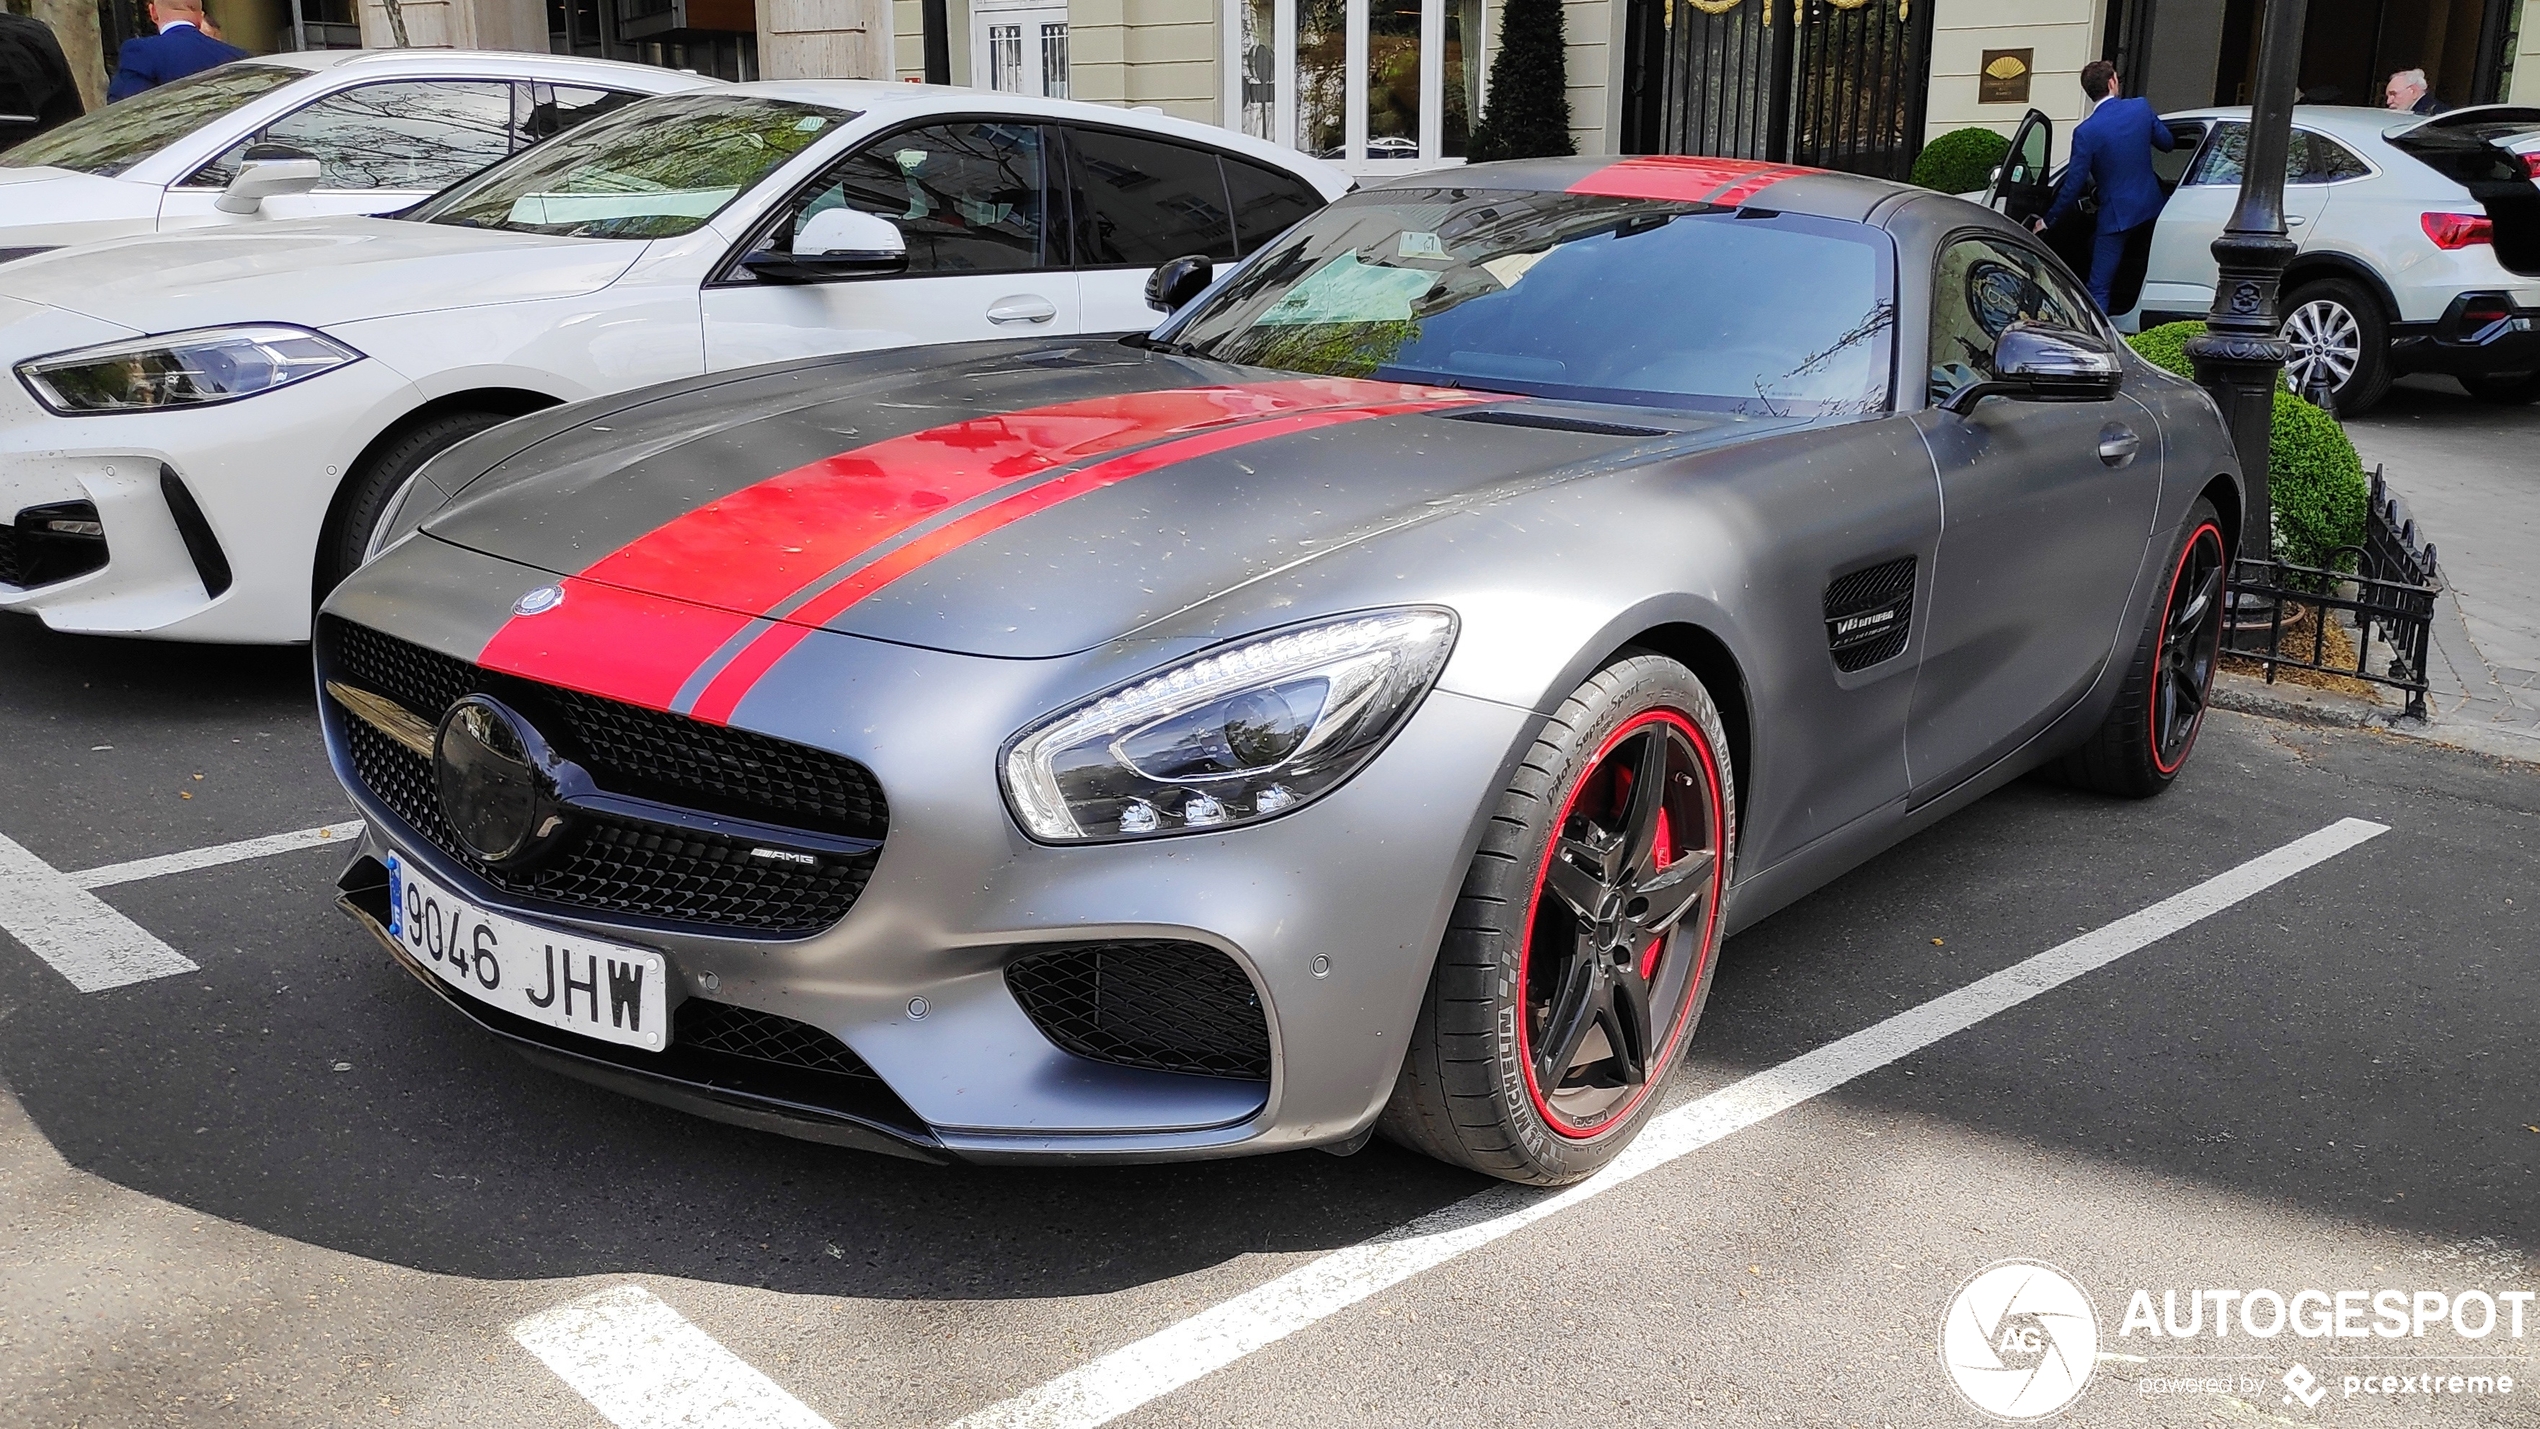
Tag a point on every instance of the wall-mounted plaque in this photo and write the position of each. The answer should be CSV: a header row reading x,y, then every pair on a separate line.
x,y
2004,78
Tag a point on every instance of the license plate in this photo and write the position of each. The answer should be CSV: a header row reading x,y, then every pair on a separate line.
x,y
563,980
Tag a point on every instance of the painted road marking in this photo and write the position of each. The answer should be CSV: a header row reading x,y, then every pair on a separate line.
x,y
1149,1369
643,1366
62,921
217,854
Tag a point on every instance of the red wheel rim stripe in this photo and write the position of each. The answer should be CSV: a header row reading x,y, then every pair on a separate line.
x,y
1710,922
2152,707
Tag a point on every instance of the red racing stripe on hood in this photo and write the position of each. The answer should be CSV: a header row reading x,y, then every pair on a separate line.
x,y
1727,182
724,693
638,623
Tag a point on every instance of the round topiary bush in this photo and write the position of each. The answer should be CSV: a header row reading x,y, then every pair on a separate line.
x,y
1960,161
2313,473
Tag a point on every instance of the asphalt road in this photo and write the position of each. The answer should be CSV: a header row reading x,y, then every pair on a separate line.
x,y
289,1188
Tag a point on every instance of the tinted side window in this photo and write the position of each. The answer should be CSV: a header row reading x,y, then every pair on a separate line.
x,y
550,109
2172,166
968,198
1266,201
1982,286
2227,154
410,134
2325,161
1141,201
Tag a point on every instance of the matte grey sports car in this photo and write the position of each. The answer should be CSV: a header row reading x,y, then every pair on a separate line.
x,y
1362,704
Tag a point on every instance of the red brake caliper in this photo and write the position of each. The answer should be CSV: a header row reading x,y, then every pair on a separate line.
x,y
1666,852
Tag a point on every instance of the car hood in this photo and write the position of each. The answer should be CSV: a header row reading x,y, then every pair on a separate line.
x,y
1002,499
47,207
314,272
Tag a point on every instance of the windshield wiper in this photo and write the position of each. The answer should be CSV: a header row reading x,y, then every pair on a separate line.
x,y
1166,346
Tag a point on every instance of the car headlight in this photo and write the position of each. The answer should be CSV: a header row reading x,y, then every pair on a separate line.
x,y
1241,734
181,369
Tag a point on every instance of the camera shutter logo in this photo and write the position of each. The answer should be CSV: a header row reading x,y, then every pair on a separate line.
x,y
2020,1340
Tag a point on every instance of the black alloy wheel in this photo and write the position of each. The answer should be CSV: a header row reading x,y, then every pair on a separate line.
x,y
2147,734
2191,648
1631,865
1582,946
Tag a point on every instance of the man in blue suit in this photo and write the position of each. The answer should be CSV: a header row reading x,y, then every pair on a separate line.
x,y
2112,148
179,49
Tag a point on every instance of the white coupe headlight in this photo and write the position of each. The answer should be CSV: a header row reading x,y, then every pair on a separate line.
x,y
1244,733
181,369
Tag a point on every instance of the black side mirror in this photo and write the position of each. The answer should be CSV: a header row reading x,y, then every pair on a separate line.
x,y
1178,281
2038,362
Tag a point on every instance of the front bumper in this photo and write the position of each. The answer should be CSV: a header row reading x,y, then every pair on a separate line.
x,y
2479,335
211,516
1333,912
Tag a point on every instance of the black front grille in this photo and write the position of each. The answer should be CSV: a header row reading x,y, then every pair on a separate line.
x,y
1168,1007
33,552
763,1037
623,866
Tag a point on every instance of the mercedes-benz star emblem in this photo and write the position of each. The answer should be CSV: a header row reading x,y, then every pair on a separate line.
x,y
538,602
490,766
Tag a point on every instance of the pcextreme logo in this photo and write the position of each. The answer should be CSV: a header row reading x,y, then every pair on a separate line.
x,y
2020,1340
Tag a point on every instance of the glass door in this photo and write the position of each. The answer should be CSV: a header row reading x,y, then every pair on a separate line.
x,y
1376,86
1019,48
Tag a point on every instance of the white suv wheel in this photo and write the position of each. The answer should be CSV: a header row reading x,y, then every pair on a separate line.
x,y
2327,343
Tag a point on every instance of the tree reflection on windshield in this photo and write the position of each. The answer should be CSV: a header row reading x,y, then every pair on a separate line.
x,y
1652,302
652,170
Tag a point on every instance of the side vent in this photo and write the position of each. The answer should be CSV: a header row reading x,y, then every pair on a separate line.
x,y
1870,614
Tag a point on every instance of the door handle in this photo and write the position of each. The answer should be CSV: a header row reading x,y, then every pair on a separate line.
x,y
2294,220
2118,444
1022,308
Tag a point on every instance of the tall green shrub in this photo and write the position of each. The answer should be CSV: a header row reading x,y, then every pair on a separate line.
x,y
1960,161
1528,113
2313,473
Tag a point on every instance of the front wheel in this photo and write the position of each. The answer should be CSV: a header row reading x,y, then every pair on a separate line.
x,y
2146,737
1582,945
369,496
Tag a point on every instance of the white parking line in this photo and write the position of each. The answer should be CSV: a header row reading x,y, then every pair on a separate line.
x,y
66,924
1149,1369
643,1366
191,859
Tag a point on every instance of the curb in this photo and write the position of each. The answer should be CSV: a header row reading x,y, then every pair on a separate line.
x,y
2296,704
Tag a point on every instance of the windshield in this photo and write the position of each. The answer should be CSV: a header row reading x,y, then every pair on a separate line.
x,y
1650,302
652,170
110,140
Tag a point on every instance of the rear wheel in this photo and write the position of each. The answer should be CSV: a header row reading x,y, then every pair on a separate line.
x,y
369,496
2505,391
1582,946
2147,735
2336,333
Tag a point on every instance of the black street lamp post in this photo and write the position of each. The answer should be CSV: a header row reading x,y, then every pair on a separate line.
x,y
2240,355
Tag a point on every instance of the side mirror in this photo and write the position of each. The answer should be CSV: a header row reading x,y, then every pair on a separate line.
x,y
2037,362
265,171
1178,281
836,243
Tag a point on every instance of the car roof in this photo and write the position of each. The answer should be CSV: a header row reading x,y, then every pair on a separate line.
x,y
889,99
1734,183
2354,123
493,63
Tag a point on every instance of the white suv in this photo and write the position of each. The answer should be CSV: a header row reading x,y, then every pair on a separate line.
x,y
2418,241
386,127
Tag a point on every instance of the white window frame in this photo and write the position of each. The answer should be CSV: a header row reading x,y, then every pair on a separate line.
x,y
1432,136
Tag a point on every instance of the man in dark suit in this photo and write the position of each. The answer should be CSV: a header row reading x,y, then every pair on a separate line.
x,y
2113,150
2408,92
179,49
36,88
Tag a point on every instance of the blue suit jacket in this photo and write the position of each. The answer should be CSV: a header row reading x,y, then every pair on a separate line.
x,y
2113,147
173,53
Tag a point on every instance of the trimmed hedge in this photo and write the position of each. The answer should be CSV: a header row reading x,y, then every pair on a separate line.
x,y
1960,161
2313,473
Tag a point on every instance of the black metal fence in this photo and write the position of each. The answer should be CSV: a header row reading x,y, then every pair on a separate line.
x,y
1837,84
2388,595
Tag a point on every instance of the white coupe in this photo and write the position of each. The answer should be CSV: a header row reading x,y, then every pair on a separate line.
x,y
2417,241
384,128
206,431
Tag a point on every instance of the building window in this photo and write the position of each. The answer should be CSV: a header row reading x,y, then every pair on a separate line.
x,y
1054,59
1376,86
1019,47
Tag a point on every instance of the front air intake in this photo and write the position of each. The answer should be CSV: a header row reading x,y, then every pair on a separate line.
x,y
1163,1006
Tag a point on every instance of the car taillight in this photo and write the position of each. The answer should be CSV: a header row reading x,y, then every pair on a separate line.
x,y
2458,230
2531,164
